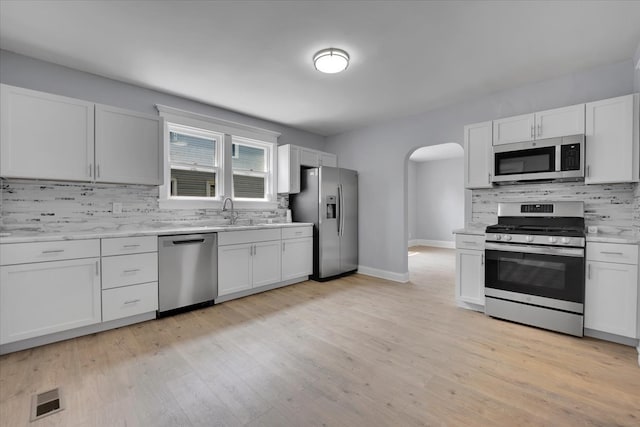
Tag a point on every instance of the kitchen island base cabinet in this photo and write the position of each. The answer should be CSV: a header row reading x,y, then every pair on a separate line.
x,y
47,297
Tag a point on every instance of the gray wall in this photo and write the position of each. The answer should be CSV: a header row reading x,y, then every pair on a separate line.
x,y
439,198
412,169
380,152
30,73
636,61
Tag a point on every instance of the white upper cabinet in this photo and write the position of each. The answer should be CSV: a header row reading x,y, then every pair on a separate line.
x,y
513,129
288,169
612,140
45,136
560,122
128,147
543,124
291,158
478,156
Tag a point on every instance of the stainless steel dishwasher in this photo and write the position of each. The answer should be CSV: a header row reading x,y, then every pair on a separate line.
x,y
187,272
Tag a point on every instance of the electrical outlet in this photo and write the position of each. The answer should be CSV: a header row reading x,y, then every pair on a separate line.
x,y
116,208
592,229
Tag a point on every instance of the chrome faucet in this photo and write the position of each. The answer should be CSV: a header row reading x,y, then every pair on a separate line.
x,y
234,215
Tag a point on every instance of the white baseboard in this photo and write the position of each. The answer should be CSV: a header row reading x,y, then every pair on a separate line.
x,y
433,243
383,274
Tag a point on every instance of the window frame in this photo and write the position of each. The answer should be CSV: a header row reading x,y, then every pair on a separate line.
x,y
224,186
267,174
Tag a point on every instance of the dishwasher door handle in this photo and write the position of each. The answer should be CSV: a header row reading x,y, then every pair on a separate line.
x,y
187,242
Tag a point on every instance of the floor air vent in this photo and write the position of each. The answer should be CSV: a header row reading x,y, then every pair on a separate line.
x,y
46,403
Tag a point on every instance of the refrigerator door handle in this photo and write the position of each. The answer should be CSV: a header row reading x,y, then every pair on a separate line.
x,y
339,209
341,193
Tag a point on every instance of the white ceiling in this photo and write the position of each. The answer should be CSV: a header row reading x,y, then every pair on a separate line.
x,y
255,57
449,150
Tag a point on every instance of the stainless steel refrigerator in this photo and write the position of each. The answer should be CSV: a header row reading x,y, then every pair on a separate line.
x,y
329,199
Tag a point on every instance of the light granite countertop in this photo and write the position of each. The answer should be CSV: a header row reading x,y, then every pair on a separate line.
x,y
478,230
133,231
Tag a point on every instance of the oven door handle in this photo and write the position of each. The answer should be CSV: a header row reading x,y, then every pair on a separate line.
x,y
530,249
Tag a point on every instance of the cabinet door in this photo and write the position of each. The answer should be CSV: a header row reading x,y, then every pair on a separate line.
x,y
560,122
470,276
310,158
478,155
128,147
611,298
297,258
47,297
45,136
266,263
513,129
288,169
328,159
234,268
612,140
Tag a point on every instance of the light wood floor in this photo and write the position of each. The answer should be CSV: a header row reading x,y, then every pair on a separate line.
x,y
351,352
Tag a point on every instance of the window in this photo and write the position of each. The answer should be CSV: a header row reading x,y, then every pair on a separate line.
x,y
250,169
193,160
208,159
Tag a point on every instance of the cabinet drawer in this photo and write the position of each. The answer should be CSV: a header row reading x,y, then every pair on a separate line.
x,y
129,301
248,236
124,270
129,245
296,232
21,253
469,241
612,252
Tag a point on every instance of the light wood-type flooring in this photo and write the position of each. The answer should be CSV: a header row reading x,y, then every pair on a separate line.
x,y
357,351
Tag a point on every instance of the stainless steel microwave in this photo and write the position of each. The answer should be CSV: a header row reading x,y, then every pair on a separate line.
x,y
544,159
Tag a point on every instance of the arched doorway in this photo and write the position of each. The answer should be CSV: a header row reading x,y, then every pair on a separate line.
x,y
435,199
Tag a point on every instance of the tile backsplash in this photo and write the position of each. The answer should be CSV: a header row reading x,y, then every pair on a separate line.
x,y
614,208
52,206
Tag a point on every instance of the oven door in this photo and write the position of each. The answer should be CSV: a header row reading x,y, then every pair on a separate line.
x,y
555,273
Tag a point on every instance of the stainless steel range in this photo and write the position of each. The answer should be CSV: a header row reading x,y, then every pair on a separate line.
x,y
534,271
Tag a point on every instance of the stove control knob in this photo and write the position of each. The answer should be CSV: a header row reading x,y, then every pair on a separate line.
x,y
507,237
497,236
529,238
565,240
552,239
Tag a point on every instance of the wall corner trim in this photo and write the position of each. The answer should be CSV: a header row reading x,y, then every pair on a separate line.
x,y
384,274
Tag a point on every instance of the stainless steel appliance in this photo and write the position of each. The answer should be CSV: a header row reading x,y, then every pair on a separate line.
x,y
329,199
534,265
187,272
559,159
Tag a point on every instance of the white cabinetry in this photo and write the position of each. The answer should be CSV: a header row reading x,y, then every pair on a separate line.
x,y
612,152
129,276
543,124
288,169
128,148
43,297
291,158
611,289
45,136
297,252
470,271
478,155
248,259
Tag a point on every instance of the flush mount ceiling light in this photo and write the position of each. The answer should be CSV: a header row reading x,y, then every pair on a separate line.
x,y
331,60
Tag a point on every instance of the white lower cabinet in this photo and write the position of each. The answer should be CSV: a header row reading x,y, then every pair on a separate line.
x,y
611,289
248,259
128,301
43,298
297,257
470,271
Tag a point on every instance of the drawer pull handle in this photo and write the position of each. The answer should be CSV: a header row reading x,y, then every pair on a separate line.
x,y
132,301
133,270
611,253
53,251
468,242
298,232
131,246
589,271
